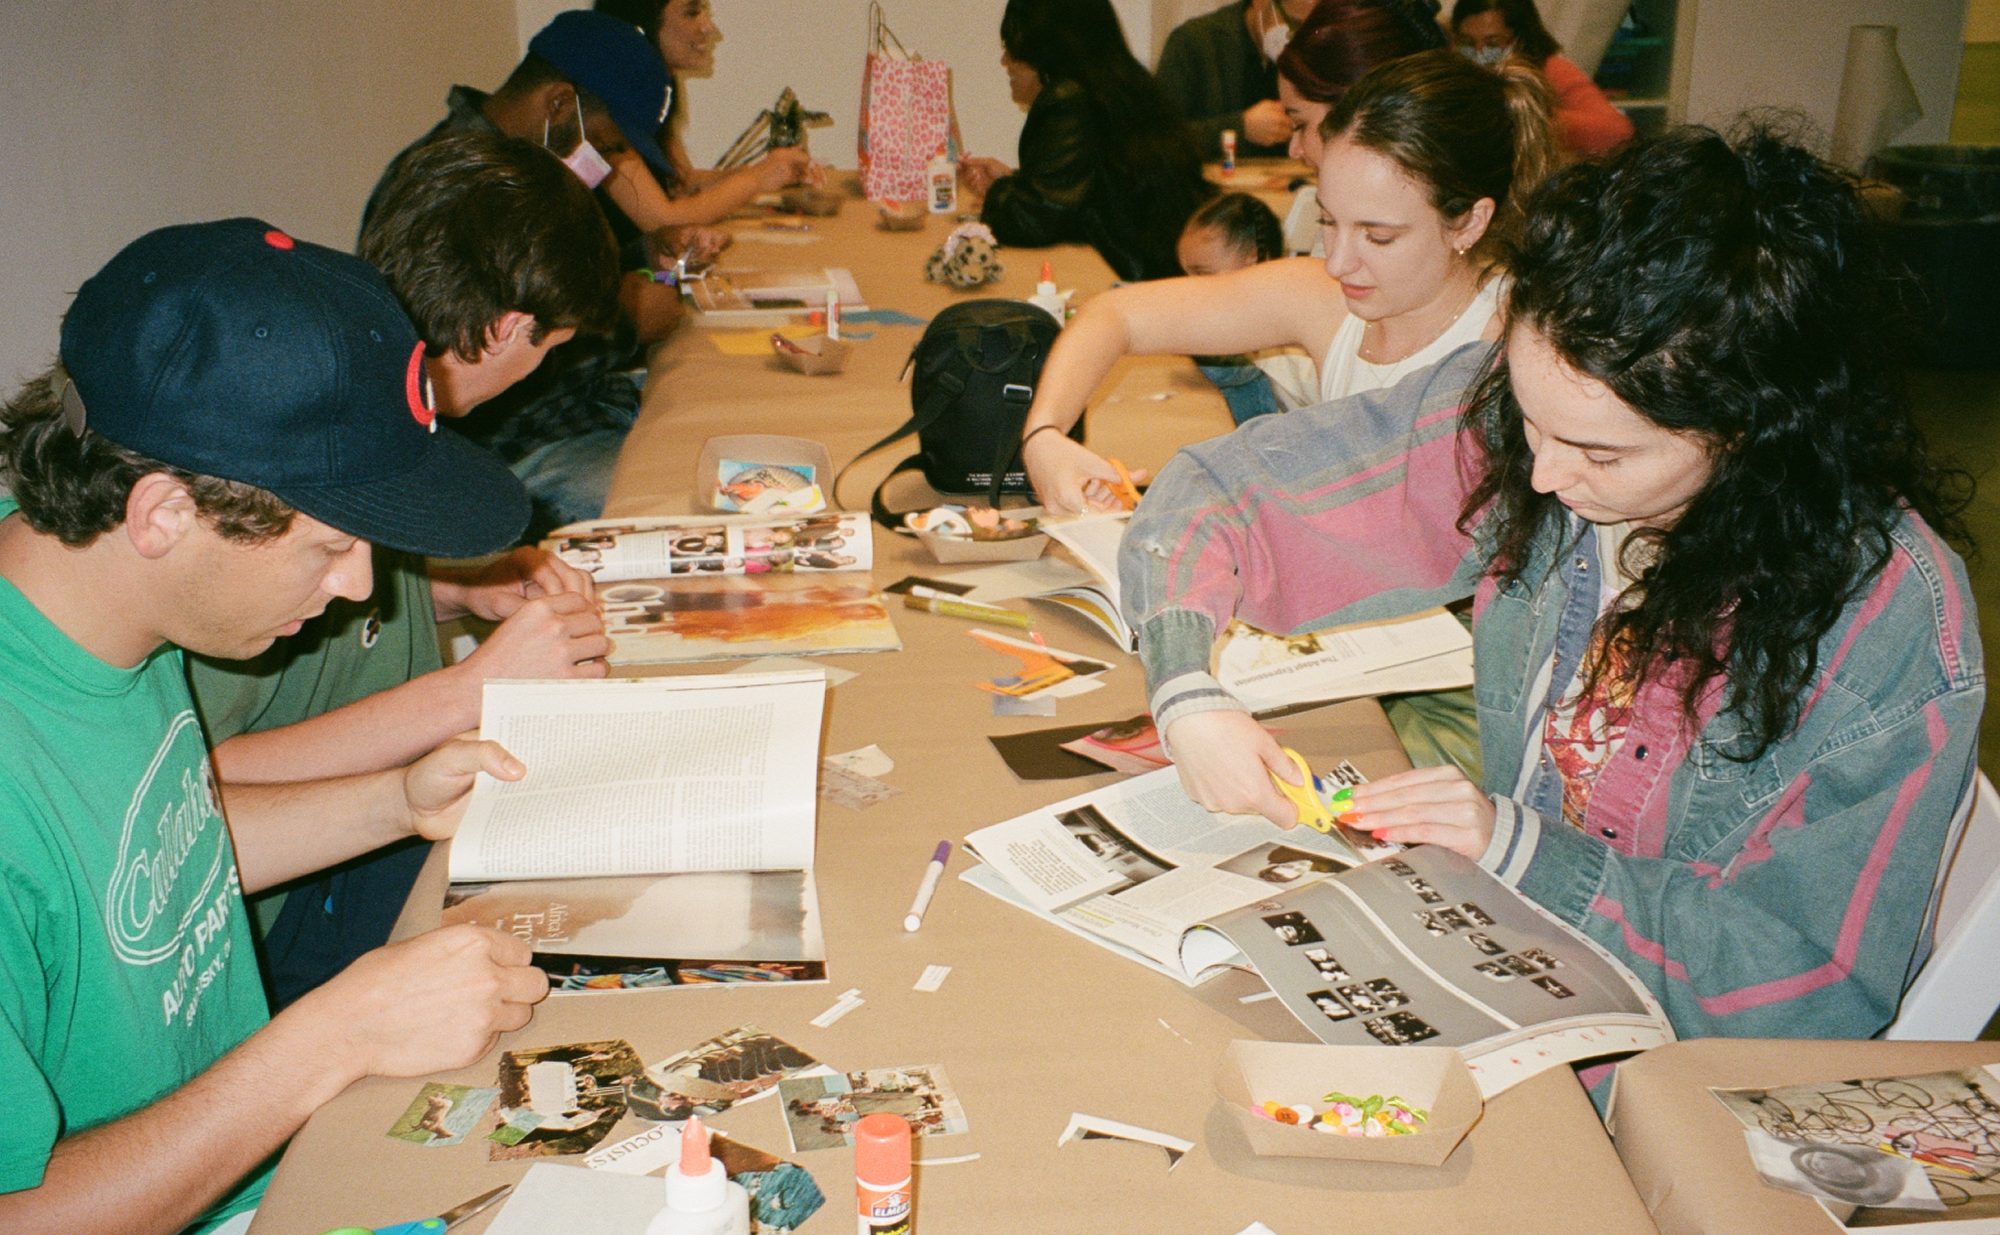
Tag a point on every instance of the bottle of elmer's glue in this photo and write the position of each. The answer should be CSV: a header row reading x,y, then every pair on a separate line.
x,y
1048,299
882,1176
701,1200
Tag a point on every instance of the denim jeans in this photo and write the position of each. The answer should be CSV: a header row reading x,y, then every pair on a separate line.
x,y
569,480
1244,386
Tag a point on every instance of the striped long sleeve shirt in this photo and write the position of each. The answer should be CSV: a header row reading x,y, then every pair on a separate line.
x,y
1786,896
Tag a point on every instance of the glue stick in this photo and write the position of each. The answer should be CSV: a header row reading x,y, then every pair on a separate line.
x,y
882,1176
833,314
701,1199
1229,152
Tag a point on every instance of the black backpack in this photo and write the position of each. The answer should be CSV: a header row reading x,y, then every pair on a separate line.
x,y
975,372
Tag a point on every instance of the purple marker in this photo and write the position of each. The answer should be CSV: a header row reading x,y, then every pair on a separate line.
x,y
928,888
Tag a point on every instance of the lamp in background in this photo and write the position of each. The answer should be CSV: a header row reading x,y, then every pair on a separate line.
x,y
1877,101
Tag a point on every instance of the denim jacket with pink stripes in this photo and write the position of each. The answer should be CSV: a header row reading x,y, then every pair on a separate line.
x,y
1781,897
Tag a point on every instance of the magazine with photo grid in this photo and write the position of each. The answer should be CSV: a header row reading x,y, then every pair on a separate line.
x,y
1367,944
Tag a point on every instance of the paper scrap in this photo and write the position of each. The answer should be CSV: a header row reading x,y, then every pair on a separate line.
x,y
867,761
442,1114
1039,704
1256,1228
1093,1128
841,1007
740,1065
549,1198
1259,997
641,1154
576,1090
821,1111
947,1161
797,664
852,789
934,976
1841,1173
880,317
1039,754
1170,1029
950,587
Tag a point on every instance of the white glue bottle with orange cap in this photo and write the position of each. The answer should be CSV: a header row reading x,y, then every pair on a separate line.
x,y
701,1199
882,1176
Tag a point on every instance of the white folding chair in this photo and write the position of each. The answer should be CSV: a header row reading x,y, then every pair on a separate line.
x,y
1958,988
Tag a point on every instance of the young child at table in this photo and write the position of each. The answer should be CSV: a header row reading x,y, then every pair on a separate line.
x,y
1728,671
1232,232
499,254
231,423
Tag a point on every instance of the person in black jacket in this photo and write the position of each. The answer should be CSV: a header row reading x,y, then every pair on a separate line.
x,y
1105,160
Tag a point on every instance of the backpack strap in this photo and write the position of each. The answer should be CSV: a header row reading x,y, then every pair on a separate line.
x,y
1017,398
947,388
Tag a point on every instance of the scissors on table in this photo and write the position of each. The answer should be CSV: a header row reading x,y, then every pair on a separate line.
x,y
428,1226
1317,807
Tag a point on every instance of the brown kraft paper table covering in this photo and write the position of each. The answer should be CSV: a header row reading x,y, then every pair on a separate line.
x,y
1033,1024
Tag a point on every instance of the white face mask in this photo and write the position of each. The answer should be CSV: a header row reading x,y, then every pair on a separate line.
x,y
1488,56
1275,38
589,166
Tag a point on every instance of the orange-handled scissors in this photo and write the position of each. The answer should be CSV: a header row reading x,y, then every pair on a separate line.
x,y
1125,491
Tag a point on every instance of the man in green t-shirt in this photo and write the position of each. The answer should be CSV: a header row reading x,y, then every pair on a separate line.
x,y
236,416
499,253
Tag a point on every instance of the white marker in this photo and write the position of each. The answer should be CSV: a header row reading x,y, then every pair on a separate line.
x,y
925,890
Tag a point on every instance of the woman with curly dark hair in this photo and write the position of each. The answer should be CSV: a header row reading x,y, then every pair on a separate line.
x,y
1728,671
1105,160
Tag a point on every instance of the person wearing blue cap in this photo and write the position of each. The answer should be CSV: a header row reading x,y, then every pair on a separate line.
x,y
235,418
498,254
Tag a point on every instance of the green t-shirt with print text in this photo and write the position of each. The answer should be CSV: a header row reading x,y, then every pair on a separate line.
x,y
126,965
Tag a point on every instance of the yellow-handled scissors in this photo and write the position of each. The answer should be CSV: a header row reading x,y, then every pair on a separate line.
x,y
1317,809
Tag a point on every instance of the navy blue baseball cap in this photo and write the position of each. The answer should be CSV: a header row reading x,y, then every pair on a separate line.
x,y
615,61
230,349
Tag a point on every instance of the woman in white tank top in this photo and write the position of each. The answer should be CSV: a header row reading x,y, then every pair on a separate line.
x,y
1422,164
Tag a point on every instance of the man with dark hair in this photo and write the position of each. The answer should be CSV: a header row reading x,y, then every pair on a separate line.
x,y
592,90
498,254
1220,70
235,417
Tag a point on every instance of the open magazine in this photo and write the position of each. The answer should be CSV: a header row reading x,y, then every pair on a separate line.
x,y
620,549
1093,540
663,835
1431,650
733,291
1365,943
720,587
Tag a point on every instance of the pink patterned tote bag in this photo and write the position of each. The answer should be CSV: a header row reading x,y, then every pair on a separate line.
x,y
906,116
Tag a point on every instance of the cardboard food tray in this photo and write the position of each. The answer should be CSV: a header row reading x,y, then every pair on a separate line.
x,y
954,549
1431,1077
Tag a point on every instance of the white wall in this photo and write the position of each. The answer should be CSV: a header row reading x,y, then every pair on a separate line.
x,y
1783,53
123,115
817,48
